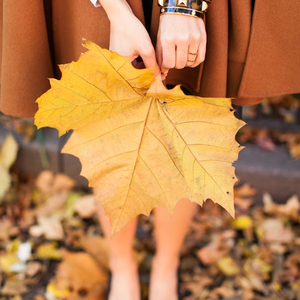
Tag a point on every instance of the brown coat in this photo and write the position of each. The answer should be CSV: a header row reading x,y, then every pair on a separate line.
x,y
252,50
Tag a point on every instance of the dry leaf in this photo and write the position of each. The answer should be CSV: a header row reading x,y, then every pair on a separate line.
x,y
44,181
224,292
98,248
257,282
13,287
244,191
85,206
197,286
5,181
62,182
289,209
275,232
53,203
5,225
16,298
33,268
8,153
140,147
295,150
7,260
243,203
217,248
50,227
80,273
228,266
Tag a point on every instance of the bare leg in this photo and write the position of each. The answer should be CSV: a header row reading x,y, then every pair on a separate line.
x,y
170,232
124,270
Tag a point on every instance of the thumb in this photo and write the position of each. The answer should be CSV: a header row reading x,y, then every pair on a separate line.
x,y
149,60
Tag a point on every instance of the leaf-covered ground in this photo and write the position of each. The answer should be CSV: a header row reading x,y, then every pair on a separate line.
x,y
51,246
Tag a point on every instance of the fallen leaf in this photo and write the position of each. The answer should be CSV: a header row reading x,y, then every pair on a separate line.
x,y
33,268
228,266
224,292
16,298
140,147
295,150
62,182
275,232
242,222
8,152
48,251
98,248
289,209
244,191
50,227
44,181
53,203
257,282
243,203
217,248
13,287
53,293
7,260
197,286
292,264
5,225
85,206
79,272
5,181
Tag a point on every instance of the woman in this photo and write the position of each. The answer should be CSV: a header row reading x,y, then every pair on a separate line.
x,y
245,57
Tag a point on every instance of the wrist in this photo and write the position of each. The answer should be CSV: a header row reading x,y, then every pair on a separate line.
x,y
195,8
115,9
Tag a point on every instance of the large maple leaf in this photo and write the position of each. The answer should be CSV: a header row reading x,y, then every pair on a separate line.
x,y
141,145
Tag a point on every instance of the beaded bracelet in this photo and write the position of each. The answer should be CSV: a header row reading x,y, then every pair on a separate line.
x,y
195,8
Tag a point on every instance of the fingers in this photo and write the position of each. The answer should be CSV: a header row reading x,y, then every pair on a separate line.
x,y
181,42
164,71
196,55
149,59
168,55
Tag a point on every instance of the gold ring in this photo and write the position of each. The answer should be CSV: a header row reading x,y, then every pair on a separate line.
x,y
190,60
193,53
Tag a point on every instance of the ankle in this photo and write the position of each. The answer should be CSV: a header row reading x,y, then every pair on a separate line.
x,y
165,263
122,263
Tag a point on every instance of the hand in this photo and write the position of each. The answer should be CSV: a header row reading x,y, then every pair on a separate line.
x,y
128,36
181,42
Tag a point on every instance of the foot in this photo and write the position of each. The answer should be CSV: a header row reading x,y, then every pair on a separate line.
x,y
163,279
124,281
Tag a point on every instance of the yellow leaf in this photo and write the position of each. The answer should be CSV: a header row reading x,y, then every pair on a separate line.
x,y
7,260
8,153
48,251
228,266
52,290
141,147
242,222
18,297
5,181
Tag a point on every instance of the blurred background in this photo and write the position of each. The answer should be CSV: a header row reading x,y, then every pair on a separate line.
x,y
49,232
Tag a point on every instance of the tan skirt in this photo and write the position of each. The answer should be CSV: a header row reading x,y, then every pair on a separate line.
x,y
252,51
